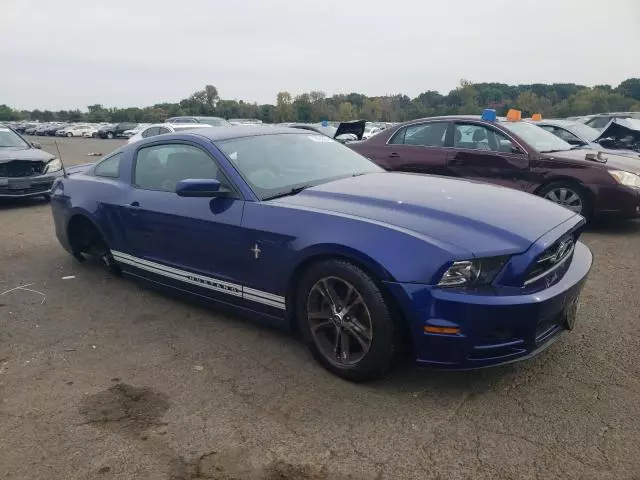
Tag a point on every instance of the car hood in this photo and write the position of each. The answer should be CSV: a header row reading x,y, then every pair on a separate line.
x,y
483,219
33,154
608,159
613,151
621,133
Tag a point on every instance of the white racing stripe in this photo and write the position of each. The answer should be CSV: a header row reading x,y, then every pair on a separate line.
x,y
210,283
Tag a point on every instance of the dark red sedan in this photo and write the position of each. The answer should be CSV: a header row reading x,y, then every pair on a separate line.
x,y
512,154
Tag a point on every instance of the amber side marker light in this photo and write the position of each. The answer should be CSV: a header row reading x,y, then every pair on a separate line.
x,y
442,330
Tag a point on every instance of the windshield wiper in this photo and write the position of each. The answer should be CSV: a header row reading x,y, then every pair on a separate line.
x,y
292,191
556,150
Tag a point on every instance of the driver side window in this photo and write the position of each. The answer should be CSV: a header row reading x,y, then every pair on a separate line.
x,y
161,167
480,137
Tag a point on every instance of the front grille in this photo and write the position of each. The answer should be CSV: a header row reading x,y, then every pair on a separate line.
x,y
41,187
552,259
21,168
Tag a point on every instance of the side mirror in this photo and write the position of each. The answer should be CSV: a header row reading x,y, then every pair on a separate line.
x,y
36,145
201,187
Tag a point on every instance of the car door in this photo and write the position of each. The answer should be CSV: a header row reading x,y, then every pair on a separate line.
x,y
480,152
188,243
418,148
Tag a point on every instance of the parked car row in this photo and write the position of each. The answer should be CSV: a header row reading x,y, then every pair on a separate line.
x,y
106,130
58,129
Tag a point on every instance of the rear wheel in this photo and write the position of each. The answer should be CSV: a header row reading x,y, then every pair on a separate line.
x,y
345,321
568,195
69,134
85,239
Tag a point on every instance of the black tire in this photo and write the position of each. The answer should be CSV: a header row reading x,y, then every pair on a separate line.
x,y
573,189
69,134
110,135
383,331
86,240
47,197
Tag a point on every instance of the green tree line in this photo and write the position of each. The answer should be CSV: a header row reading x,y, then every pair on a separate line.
x,y
552,100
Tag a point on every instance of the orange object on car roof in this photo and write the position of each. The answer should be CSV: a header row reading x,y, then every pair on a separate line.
x,y
514,115
536,117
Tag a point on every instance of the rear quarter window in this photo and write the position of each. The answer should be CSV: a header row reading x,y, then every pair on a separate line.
x,y
109,167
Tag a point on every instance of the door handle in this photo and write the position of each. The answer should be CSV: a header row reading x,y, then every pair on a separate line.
x,y
394,155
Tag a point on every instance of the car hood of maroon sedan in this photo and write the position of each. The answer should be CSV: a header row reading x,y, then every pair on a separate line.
x,y
483,219
609,160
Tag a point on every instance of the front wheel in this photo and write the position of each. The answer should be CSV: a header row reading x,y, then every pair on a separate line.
x,y
110,135
69,134
568,195
345,321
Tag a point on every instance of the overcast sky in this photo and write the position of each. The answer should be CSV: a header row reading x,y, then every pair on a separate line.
x,y
72,53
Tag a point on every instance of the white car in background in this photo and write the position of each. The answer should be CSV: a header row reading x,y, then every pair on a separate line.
x,y
92,130
370,131
73,131
160,128
138,129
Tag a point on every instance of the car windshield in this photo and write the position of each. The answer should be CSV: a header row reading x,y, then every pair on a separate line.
x,y
275,165
8,139
584,131
537,137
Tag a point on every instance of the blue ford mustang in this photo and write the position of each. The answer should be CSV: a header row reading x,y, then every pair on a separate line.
x,y
296,229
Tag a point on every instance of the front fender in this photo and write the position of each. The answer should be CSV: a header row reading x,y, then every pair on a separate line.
x,y
393,253
64,207
332,250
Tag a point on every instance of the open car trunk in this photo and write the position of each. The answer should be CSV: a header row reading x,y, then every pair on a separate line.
x,y
621,133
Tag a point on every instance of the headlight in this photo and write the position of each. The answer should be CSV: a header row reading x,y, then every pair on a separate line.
x,y
625,178
469,273
53,166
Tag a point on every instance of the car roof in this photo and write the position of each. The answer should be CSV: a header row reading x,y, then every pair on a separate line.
x,y
240,131
559,122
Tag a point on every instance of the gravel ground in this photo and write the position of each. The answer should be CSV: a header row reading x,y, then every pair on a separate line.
x,y
100,378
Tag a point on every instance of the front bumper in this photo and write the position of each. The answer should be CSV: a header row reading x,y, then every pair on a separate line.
x,y
23,187
617,201
494,329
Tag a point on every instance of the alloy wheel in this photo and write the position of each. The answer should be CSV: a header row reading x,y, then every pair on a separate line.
x,y
566,197
339,321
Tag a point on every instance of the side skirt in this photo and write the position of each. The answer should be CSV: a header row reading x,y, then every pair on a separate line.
x,y
256,315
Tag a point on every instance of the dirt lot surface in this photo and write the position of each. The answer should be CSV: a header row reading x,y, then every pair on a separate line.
x,y
101,379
